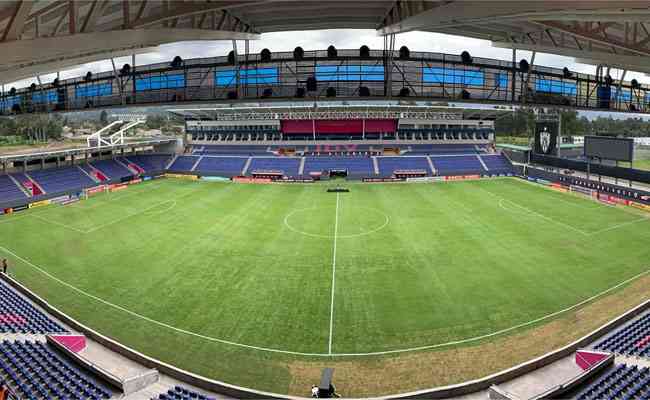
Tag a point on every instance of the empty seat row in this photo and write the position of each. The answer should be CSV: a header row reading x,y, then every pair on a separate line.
x,y
222,166
55,180
112,169
621,382
497,163
149,162
183,163
181,393
631,340
9,190
35,371
17,315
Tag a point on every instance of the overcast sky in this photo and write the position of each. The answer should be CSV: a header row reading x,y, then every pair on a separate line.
x,y
341,39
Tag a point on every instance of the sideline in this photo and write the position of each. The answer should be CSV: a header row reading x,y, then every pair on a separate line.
x,y
280,351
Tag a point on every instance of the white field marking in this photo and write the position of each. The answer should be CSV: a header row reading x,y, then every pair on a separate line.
x,y
79,205
95,228
354,235
57,223
611,228
336,229
92,229
580,231
272,350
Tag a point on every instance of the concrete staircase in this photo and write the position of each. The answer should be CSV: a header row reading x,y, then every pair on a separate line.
x,y
173,160
94,178
302,166
375,165
433,168
35,183
196,164
21,187
246,166
482,162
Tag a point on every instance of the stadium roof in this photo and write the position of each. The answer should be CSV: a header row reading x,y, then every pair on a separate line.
x,y
42,36
339,111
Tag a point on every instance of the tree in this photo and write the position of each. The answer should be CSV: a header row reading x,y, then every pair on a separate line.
x,y
155,121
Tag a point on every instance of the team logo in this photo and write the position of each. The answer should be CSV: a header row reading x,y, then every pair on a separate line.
x,y
545,140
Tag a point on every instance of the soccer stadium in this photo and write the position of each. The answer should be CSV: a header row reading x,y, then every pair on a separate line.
x,y
326,222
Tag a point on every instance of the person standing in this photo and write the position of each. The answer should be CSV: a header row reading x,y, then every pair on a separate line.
x,y
5,265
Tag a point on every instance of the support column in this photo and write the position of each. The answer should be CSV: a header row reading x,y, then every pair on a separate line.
x,y
236,66
514,73
530,68
120,85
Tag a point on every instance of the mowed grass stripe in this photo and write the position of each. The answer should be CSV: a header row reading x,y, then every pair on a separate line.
x,y
451,264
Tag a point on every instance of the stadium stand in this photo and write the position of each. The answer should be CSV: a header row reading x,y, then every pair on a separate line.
x,y
242,150
288,165
497,164
18,316
149,163
181,393
23,180
226,166
183,163
357,167
620,382
457,165
388,165
36,371
55,180
9,190
90,170
631,340
112,169
433,149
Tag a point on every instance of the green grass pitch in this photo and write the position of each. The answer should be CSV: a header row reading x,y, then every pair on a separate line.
x,y
233,281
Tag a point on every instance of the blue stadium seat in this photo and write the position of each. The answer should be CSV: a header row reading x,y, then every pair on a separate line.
x,y
9,190
631,340
181,393
35,371
17,315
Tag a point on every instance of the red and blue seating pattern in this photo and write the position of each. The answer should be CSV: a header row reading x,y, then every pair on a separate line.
x,y
621,382
112,169
631,340
9,190
19,316
55,180
34,371
181,393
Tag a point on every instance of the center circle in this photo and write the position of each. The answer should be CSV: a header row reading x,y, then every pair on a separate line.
x,y
321,222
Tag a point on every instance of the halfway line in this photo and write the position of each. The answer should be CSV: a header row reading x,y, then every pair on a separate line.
x,y
336,229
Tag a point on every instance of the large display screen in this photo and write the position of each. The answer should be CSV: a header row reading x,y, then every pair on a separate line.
x,y
609,148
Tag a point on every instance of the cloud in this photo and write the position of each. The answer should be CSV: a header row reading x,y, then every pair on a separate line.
x,y
340,38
